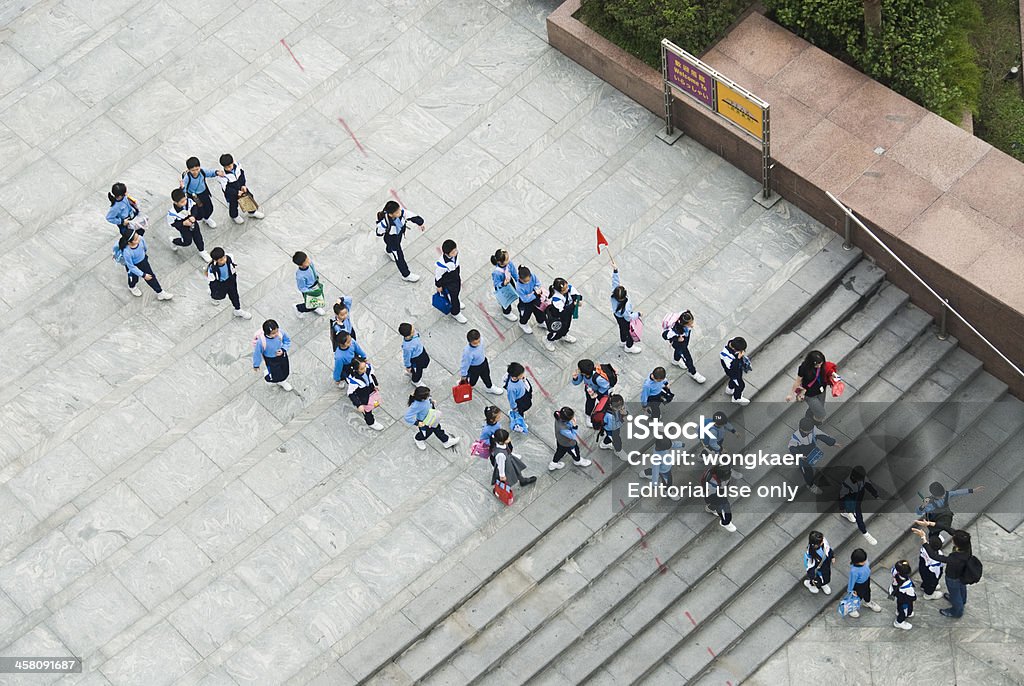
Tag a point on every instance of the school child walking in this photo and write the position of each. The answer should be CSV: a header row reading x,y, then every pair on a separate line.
x,y
624,314
232,182
713,436
422,414
962,568
124,210
346,351
804,444
716,501
308,283
504,273
902,589
342,321
131,252
614,418
529,290
859,582
661,464
566,443
735,362
193,183
391,225
507,465
182,217
362,385
414,358
655,391
492,422
677,329
928,568
448,279
519,391
597,381
474,363
851,499
271,346
935,507
818,559
813,377
220,272
563,302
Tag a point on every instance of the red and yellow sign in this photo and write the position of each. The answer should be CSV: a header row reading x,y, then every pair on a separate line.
x,y
740,110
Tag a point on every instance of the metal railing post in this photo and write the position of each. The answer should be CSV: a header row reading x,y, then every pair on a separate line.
x,y
847,243
943,325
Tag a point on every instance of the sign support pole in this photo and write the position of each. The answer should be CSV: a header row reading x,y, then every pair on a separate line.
x,y
669,135
766,198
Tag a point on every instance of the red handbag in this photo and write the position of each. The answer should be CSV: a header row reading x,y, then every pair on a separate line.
x,y
462,393
504,493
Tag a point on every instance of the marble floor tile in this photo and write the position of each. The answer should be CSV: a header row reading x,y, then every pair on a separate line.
x,y
340,605
460,508
217,613
719,196
104,71
40,640
354,178
163,567
17,519
207,136
124,351
288,472
151,109
226,519
548,254
560,87
114,519
42,37
19,196
730,277
54,480
510,130
205,15
256,30
458,95
347,22
303,9
781,233
162,29
175,392
509,51
619,202
456,22
389,565
281,564
614,121
305,139
15,70
461,171
240,425
342,516
564,165
357,99
171,476
298,220
513,211
79,233
41,570
404,136
408,58
676,237
206,67
97,13
160,656
99,614
34,347
238,111
13,149
73,316
663,167
10,615
272,656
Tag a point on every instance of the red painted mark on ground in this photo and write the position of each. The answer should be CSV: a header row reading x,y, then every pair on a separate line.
x,y
292,54
598,465
643,543
394,194
583,443
662,567
712,652
544,392
353,137
490,319
728,683
622,503
690,617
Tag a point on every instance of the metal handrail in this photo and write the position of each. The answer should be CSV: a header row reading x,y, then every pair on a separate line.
x,y
946,307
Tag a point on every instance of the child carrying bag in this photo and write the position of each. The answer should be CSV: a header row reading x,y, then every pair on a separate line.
x,y
636,329
506,295
372,403
480,448
314,297
849,603
504,493
441,302
247,203
462,393
517,422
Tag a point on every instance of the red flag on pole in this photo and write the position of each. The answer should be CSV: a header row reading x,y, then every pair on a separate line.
x,y
601,240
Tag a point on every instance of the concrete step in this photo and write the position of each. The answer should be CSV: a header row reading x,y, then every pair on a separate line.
x,y
692,561
557,515
664,539
794,611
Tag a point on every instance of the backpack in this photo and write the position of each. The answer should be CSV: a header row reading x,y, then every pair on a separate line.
x,y
670,320
972,571
553,319
597,416
118,255
609,374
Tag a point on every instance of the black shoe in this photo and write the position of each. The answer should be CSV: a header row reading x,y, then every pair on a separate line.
x,y
945,596
527,481
948,612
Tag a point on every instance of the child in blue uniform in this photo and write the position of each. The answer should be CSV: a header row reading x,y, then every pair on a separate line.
x,y
564,300
504,273
655,391
859,581
474,363
623,312
448,278
596,383
902,590
818,559
346,350
232,182
678,334
342,321
271,345
422,414
507,465
614,418
361,385
220,272
305,280
529,290
183,218
414,358
392,222
132,248
520,395
193,183
566,440
735,362
124,210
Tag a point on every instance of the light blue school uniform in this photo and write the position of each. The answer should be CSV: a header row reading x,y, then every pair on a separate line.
x,y
268,347
343,357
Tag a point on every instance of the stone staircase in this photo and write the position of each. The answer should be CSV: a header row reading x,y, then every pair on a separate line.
x,y
591,588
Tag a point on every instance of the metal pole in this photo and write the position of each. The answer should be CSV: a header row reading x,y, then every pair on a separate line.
x,y
668,92
847,243
766,155
943,329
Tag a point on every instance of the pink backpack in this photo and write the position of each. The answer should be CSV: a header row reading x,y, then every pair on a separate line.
x,y
670,320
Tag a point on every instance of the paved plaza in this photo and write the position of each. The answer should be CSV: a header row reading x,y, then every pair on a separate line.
x,y
173,519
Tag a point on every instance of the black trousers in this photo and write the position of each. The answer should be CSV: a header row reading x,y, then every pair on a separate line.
x,y
190,235
393,245
929,582
655,401
823,574
204,205
565,319
904,607
721,507
480,371
527,309
452,289
419,363
359,398
681,351
524,403
425,432
144,267
615,438
277,368
563,450
863,591
624,336
229,288
736,384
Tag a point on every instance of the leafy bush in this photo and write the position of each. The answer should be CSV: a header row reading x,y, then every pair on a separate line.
x,y
1002,120
923,50
637,26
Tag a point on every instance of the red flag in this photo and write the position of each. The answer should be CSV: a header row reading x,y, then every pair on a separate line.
x,y
601,240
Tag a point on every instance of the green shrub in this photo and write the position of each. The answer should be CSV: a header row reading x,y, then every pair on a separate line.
x,y
923,51
1001,121
637,26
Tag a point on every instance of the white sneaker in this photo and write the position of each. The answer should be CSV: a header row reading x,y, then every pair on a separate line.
x,y
605,446
934,595
741,401
853,614
873,606
206,256
826,589
634,349
319,311
622,344
621,454
679,363
164,295
238,219
412,278
511,316
549,346
242,313
209,222
284,386
451,442
582,462
568,339
810,587
870,539
391,256
174,246
136,291
730,527
258,214
377,426
697,376
216,303
555,465
815,489
906,626
848,517
526,328
460,318
727,391
494,390
422,445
